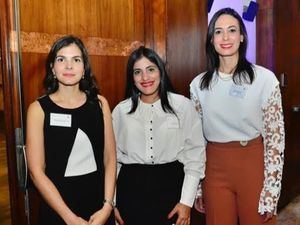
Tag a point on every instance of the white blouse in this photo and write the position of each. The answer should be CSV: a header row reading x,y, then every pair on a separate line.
x,y
232,112
152,136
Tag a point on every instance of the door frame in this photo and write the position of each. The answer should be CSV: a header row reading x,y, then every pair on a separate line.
x,y
12,109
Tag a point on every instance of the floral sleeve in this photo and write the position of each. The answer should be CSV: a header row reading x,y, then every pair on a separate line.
x,y
197,104
198,108
273,133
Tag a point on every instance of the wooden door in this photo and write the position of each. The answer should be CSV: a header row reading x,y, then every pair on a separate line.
x,y
13,112
287,66
278,49
110,29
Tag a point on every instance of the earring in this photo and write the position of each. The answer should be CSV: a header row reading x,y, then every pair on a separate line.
x,y
54,77
82,77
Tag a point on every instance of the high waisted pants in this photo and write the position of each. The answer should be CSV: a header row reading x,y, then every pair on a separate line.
x,y
233,183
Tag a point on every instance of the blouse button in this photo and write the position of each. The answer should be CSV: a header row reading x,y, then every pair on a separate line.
x,y
150,129
151,138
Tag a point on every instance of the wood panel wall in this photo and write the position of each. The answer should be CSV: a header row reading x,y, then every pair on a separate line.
x,y
1,91
111,29
265,38
186,35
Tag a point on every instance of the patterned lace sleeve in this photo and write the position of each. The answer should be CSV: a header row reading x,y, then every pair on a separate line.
x,y
273,133
198,108
197,104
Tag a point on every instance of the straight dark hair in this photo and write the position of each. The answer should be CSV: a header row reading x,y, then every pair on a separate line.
x,y
87,84
165,85
243,72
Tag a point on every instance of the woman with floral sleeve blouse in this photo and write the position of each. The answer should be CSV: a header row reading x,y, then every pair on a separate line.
x,y
240,107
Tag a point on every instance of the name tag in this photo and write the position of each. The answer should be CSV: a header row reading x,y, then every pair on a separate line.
x,y
238,91
60,120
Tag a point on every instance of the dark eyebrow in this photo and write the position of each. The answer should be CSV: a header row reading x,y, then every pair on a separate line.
x,y
146,67
151,66
62,56
221,28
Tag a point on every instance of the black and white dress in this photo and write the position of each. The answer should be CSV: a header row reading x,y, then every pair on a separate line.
x,y
74,143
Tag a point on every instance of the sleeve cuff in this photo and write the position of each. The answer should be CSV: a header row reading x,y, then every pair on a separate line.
x,y
189,189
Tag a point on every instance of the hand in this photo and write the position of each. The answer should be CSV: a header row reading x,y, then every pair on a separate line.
x,y
118,217
183,212
78,221
101,216
199,205
81,221
267,216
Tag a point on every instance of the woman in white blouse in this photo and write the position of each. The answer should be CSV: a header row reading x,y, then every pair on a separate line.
x,y
160,149
240,107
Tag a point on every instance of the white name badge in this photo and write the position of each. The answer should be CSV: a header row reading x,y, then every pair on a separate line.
x,y
238,91
60,120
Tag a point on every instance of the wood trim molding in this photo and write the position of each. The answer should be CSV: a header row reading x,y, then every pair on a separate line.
x,y
35,42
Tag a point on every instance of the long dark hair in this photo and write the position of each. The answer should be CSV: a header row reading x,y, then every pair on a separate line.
x,y
87,84
243,71
165,85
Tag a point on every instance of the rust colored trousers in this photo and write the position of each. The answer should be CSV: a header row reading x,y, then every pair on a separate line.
x,y
233,183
